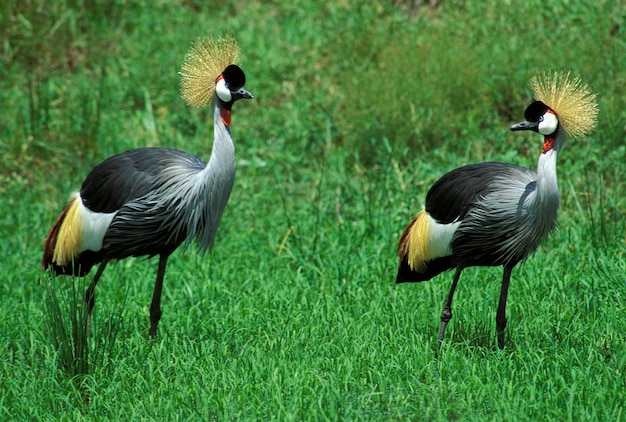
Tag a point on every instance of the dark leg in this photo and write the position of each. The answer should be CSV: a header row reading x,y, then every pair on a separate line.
x,y
90,294
446,313
501,315
155,306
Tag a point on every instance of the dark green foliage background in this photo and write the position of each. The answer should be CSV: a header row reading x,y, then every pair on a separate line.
x,y
359,107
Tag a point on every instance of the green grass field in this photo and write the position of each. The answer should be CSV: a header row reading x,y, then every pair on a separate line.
x,y
359,107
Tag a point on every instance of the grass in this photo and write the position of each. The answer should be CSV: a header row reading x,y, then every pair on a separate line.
x,y
294,316
68,323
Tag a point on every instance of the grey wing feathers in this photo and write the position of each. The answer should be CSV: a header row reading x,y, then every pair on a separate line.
x,y
153,191
130,175
455,193
500,227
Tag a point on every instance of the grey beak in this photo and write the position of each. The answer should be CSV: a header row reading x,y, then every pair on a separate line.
x,y
242,93
525,125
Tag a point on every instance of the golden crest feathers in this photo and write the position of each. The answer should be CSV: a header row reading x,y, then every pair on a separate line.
x,y
573,101
205,60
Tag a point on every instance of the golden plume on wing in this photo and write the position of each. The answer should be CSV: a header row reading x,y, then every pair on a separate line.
x,y
572,100
205,60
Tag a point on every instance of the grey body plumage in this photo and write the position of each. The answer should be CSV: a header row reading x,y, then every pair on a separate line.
x,y
502,213
174,196
493,214
508,219
148,201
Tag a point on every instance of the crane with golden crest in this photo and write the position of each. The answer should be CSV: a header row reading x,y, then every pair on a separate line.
x,y
148,201
497,214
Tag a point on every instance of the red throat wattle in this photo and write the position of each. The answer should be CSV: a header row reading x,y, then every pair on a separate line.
x,y
226,114
548,143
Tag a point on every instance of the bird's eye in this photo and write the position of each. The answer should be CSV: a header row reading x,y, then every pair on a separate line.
x,y
548,124
540,117
534,111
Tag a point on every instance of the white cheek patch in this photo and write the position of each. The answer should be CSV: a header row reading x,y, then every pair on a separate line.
x,y
549,124
95,225
222,91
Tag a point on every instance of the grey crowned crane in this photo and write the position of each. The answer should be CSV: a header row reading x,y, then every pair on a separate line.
x,y
492,214
148,201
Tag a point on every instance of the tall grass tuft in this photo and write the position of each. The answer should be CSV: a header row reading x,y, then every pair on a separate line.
x,y
66,320
82,346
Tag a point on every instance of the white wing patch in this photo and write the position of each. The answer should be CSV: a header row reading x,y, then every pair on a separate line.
x,y
95,225
439,238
